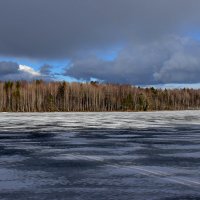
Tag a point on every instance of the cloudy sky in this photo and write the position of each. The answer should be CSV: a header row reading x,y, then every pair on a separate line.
x,y
140,42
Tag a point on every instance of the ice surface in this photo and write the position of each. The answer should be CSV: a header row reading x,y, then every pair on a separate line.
x,y
86,156
58,121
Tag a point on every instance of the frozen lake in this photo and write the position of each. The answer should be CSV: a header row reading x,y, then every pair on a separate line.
x,y
100,156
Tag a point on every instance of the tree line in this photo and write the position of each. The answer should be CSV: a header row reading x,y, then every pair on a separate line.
x,y
40,96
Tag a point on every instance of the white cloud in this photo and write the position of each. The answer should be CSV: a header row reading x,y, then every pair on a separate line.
x,y
29,70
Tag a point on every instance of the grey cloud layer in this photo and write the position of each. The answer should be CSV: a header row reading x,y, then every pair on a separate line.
x,y
53,29
61,28
8,68
46,70
169,60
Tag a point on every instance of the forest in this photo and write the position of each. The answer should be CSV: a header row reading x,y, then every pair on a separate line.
x,y
41,96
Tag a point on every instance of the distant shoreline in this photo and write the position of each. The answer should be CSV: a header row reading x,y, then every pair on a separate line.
x,y
40,96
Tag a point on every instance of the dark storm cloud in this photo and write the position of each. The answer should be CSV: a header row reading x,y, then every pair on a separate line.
x,y
72,29
7,68
46,70
61,28
168,60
